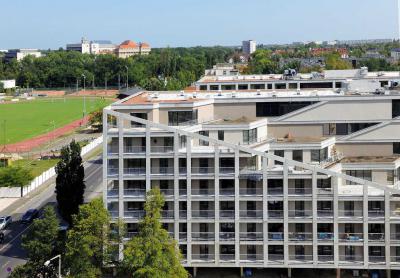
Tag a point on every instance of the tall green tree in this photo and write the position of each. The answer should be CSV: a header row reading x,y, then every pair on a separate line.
x,y
70,185
153,253
88,240
39,244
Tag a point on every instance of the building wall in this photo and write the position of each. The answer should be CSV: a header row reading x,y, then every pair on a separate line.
x,y
377,149
301,130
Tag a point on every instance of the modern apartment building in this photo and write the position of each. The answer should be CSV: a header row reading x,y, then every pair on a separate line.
x,y
249,47
263,179
21,53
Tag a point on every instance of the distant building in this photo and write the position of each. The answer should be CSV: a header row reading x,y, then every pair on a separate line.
x,y
92,47
129,48
21,53
373,54
358,42
249,47
395,54
8,84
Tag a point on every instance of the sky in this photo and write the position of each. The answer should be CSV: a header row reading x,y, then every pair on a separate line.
x,y
52,24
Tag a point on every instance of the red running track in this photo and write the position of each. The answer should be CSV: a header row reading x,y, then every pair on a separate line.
x,y
30,144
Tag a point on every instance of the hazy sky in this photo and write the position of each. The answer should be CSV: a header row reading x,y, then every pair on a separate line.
x,y
53,23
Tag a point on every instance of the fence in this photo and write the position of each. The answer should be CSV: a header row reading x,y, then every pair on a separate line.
x,y
17,192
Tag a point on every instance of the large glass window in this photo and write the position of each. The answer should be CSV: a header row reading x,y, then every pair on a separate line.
x,y
280,153
362,174
176,118
395,108
221,135
319,155
396,148
298,155
138,115
249,136
273,109
202,142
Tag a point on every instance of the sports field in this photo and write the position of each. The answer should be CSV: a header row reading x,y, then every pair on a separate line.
x,y
27,119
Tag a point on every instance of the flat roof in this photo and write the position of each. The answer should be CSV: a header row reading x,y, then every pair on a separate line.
x,y
296,140
242,120
369,159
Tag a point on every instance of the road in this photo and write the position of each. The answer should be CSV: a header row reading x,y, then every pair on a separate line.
x,y
11,253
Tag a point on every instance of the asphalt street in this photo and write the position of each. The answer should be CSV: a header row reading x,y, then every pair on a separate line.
x,y
11,253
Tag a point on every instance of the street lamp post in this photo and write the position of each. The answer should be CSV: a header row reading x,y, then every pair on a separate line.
x,y
47,263
127,80
84,81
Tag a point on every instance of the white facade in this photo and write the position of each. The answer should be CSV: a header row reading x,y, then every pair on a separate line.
x,y
8,84
20,54
249,47
300,179
92,47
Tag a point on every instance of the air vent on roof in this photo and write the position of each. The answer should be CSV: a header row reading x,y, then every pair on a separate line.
x,y
219,93
298,92
233,94
258,92
182,93
155,95
195,95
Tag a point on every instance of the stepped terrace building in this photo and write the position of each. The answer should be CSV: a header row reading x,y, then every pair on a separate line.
x,y
262,179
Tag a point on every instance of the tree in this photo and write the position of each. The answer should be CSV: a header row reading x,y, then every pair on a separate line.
x,y
39,244
153,253
70,185
14,176
334,62
87,241
96,119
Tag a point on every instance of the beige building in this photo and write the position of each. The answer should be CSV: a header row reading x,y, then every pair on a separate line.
x,y
129,48
263,179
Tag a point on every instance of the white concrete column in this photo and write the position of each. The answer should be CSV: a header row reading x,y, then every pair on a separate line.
x,y
148,158
285,213
365,225
334,185
387,231
314,216
216,200
105,158
237,209
189,197
176,186
265,207
120,123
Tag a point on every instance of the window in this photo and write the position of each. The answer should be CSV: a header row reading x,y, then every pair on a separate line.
x,y
273,109
395,108
319,155
361,174
138,115
257,86
298,155
249,136
316,85
344,129
396,148
203,87
214,88
280,153
280,86
202,142
243,87
221,135
228,87
176,118
390,177
292,85
269,86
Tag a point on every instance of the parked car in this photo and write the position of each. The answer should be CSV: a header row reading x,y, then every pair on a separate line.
x,y
29,216
5,221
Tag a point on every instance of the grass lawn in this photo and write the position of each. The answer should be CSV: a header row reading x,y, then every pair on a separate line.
x,y
28,119
36,167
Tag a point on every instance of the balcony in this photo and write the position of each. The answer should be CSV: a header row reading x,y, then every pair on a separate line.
x,y
202,171
325,213
350,213
167,214
114,214
182,171
323,236
276,258
203,236
112,149
199,214
182,192
161,149
275,214
275,191
300,213
134,149
112,193
251,236
253,258
227,258
203,258
295,191
275,236
251,191
351,259
301,259
183,214
162,170
112,171
325,259
376,213
395,236
395,259
251,214
134,214
226,236
138,193
135,171
227,214
295,236
168,192
226,171
206,192
182,236
376,237
351,237
377,259
227,192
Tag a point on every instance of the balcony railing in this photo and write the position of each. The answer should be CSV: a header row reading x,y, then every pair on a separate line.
x,y
161,149
203,191
134,192
299,191
395,236
112,149
395,213
275,236
376,237
134,149
251,191
350,213
167,191
226,236
226,170
275,191
182,171
182,192
300,258
203,257
162,170
376,213
227,214
324,236
295,236
182,236
227,257
275,214
135,214
183,214
114,213
112,171
131,234
203,214
395,259
202,170
227,191
324,213
325,258
251,236
353,237
276,258
135,171
376,259
351,259
203,236
300,213
324,191
112,193
167,214
251,214
254,258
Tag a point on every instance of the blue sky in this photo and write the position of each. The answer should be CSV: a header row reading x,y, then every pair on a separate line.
x,y
53,23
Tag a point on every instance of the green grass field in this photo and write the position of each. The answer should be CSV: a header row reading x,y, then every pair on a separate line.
x,y
28,119
36,167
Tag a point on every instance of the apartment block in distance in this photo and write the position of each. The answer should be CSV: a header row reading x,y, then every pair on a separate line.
x,y
274,176
21,53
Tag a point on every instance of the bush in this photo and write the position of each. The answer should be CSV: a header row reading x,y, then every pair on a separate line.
x,y
14,177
